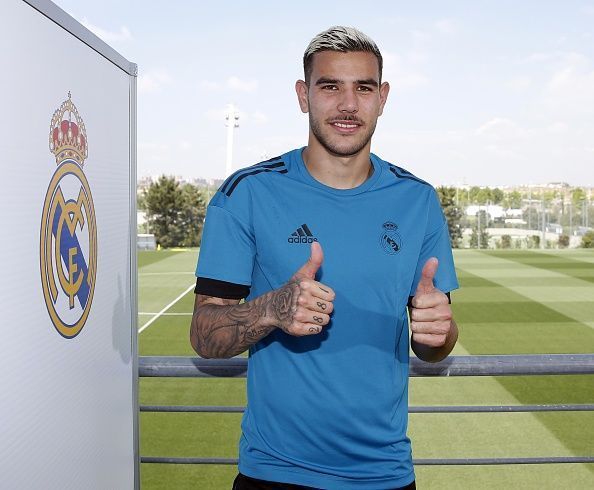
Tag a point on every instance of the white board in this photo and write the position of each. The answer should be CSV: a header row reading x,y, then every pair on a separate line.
x,y
68,390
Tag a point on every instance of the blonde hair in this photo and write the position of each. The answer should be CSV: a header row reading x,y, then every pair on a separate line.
x,y
343,39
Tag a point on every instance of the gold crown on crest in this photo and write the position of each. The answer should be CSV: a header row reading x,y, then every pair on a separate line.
x,y
68,137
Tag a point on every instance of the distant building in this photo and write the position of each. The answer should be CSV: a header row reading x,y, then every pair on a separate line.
x,y
514,213
494,211
145,182
515,222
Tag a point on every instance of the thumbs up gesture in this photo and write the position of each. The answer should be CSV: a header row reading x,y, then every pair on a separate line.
x,y
303,305
431,316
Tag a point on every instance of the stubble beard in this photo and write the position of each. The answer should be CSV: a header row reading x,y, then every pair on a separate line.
x,y
337,149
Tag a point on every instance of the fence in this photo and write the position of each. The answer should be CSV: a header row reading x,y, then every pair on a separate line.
x,y
508,365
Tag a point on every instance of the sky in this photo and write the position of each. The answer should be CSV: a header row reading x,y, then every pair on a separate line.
x,y
483,92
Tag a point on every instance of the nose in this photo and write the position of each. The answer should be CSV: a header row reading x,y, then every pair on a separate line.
x,y
348,102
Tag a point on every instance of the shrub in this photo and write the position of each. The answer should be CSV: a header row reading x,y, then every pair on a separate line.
x,y
563,241
588,239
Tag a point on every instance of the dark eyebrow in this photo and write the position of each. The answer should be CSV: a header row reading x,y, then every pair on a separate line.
x,y
369,81
336,81
328,81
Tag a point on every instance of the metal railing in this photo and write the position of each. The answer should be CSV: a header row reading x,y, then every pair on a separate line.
x,y
508,365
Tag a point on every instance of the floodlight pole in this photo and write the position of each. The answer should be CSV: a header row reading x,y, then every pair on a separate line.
x,y
478,228
544,223
232,118
529,207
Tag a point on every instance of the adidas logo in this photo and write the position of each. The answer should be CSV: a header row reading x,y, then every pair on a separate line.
x,y
302,235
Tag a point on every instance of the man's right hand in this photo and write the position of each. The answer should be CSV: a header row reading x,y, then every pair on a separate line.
x,y
303,305
224,328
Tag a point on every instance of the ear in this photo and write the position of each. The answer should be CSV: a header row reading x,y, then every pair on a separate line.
x,y
383,93
302,90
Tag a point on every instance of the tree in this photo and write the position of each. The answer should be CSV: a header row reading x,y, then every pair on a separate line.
x,y
473,194
141,201
175,214
506,241
483,196
514,200
577,196
588,239
497,196
453,213
192,215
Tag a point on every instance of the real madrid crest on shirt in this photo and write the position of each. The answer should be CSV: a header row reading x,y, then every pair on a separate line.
x,y
390,238
68,248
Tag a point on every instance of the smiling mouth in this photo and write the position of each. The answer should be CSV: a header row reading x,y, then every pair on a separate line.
x,y
346,125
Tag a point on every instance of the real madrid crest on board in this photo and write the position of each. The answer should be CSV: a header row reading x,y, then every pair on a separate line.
x,y
68,249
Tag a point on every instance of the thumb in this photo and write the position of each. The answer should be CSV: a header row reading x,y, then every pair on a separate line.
x,y
426,285
314,262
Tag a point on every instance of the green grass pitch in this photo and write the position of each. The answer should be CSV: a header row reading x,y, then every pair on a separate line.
x,y
510,302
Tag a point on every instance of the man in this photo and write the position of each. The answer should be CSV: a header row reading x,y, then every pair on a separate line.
x,y
328,244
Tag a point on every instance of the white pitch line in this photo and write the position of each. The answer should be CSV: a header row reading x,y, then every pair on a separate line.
x,y
165,314
166,273
147,324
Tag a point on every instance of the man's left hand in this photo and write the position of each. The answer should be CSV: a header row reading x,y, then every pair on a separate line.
x,y
431,315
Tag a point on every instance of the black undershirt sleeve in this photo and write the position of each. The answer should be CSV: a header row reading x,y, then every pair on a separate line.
x,y
220,289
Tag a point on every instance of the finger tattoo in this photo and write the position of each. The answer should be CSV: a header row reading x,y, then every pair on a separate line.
x,y
318,319
314,329
325,290
322,305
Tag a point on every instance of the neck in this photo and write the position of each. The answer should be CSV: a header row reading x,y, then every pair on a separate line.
x,y
335,171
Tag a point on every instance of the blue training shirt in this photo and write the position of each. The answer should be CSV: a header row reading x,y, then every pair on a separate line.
x,y
328,410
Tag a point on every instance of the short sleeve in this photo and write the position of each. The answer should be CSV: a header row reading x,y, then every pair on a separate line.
x,y
228,248
436,243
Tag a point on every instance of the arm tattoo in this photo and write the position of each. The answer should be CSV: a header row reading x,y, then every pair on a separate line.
x,y
226,329
284,304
